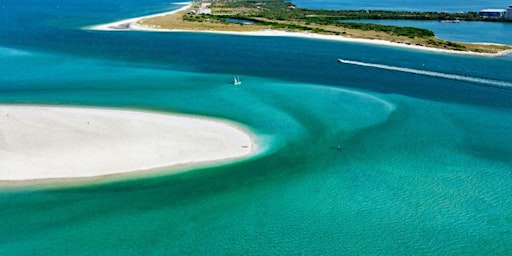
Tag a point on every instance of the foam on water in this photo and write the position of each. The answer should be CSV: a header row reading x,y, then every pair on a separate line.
x,y
494,83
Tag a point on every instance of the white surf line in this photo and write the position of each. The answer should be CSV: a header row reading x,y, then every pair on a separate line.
x,y
130,24
496,83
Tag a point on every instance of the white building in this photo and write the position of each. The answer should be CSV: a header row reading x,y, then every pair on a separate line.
x,y
492,13
205,9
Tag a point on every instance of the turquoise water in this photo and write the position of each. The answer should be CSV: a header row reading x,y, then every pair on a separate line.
x,y
425,166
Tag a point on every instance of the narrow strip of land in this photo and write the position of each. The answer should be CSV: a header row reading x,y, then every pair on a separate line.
x,y
61,142
281,18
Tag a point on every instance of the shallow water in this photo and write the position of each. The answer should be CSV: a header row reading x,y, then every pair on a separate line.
x,y
425,165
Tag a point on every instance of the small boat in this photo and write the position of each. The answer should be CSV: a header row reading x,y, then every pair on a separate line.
x,y
450,21
236,80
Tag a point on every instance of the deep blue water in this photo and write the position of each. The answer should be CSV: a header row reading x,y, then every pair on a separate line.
x,y
425,166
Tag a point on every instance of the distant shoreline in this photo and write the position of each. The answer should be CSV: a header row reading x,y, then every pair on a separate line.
x,y
133,24
138,27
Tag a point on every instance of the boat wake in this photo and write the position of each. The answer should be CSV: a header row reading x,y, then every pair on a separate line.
x,y
488,82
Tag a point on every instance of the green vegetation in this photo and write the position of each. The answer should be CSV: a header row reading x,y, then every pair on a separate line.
x,y
400,31
283,15
274,13
279,14
284,10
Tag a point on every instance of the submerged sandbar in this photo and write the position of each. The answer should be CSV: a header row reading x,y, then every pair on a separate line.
x,y
39,142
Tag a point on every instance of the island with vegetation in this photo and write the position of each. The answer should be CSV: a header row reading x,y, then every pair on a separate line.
x,y
281,15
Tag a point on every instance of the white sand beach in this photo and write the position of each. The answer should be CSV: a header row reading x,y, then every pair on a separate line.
x,y
128,23
132,24
39,142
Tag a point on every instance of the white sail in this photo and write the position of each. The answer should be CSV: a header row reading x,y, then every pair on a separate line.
x,y
237,80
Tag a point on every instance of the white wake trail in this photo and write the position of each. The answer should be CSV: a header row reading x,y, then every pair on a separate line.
x,y
496,83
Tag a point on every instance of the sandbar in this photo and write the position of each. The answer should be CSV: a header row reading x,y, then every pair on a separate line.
x,y
50,142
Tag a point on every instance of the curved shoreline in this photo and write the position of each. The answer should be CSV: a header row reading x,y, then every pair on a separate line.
x,y
39,143
126,24
269,32
133,25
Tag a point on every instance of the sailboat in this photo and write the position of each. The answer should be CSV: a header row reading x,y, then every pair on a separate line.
x,y
236,80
